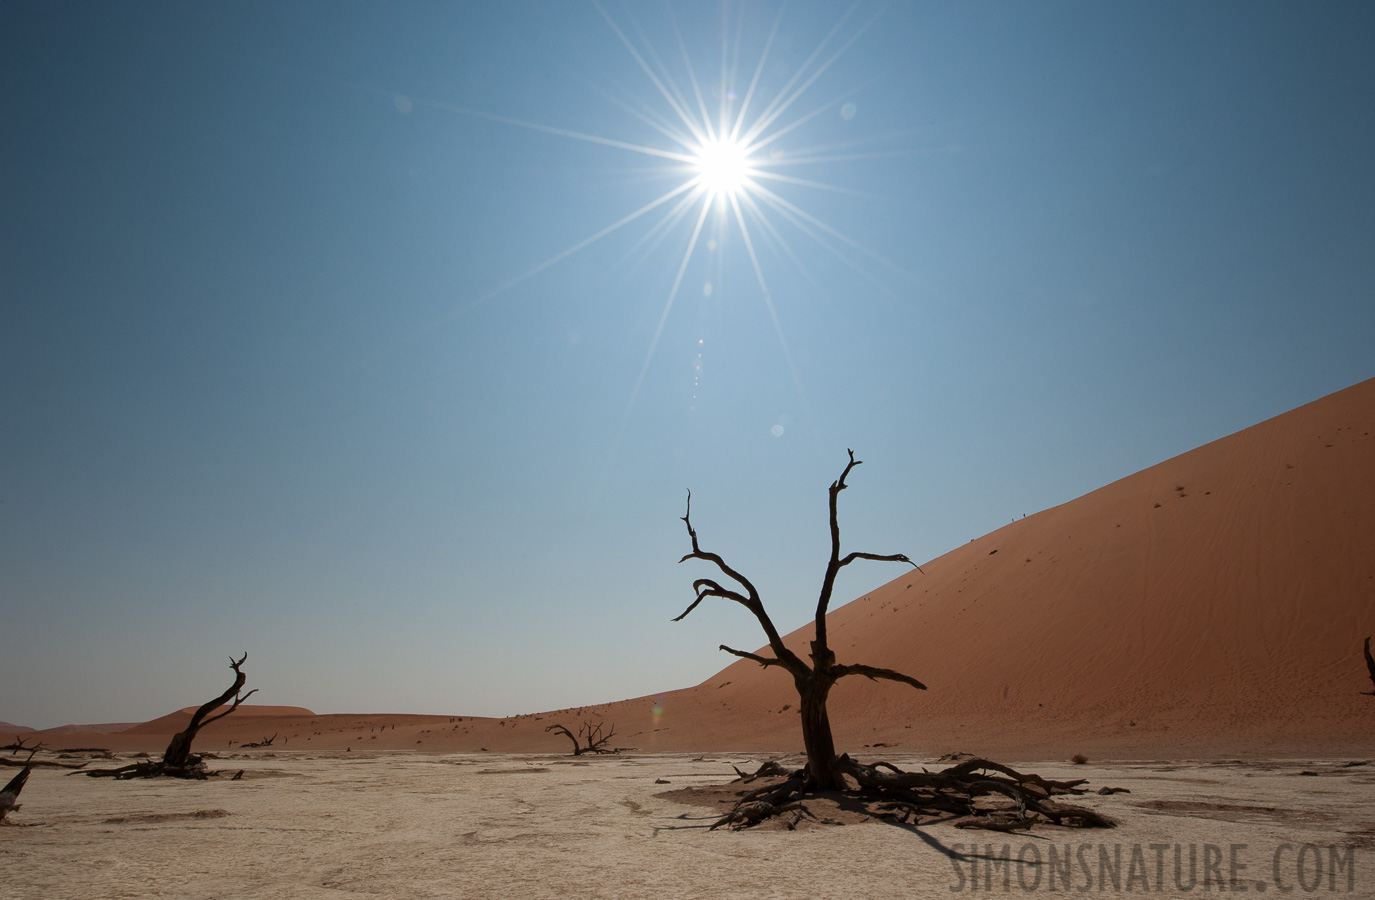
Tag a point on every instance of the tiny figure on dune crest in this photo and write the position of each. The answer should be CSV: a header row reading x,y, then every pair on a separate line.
x,y
177,760
1370,667
887,791
589,738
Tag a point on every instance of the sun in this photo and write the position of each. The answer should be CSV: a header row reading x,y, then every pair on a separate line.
x,y
727,166
723,167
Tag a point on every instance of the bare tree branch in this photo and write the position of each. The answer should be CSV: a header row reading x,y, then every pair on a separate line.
x,y
714,559
889,557
705,587
559,729
835,564
238,700
233,691
874,673
19,745
762,660
712,589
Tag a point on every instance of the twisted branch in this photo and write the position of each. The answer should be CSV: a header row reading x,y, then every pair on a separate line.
x,y
765,661
835,564
873,673
706,587
239,678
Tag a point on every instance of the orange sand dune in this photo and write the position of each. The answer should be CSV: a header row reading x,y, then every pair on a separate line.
x,y
1216,601
1212,604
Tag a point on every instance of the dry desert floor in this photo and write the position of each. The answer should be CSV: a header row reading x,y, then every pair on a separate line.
x,y
504,826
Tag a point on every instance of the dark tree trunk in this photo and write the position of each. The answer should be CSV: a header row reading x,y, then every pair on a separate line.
x,y
9,797
178,753
816,735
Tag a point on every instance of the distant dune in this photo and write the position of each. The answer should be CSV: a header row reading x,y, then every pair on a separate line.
x,y
1213,604
106,728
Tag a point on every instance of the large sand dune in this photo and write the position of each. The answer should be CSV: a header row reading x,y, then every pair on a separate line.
x,y
1212,604
1216,601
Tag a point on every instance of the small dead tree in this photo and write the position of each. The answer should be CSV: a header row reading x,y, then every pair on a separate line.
x,y
827,771
177,760
265,742
589,738
18,745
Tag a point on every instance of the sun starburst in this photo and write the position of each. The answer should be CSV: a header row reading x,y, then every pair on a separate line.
x,y
723,167
729,160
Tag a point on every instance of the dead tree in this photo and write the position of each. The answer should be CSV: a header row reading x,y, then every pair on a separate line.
x,y
1370,666
265,742
177,760
825,770
814,681
17,746
589,738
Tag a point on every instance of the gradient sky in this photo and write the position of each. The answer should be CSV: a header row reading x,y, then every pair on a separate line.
x,y
283,369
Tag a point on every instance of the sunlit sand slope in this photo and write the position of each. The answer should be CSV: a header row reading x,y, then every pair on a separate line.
x,y
1216,600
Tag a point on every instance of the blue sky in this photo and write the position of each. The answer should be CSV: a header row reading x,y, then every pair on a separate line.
x,y
283,368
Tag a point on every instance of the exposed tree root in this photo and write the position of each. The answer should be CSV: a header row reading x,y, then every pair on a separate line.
x,y
769,769
747,814
976,793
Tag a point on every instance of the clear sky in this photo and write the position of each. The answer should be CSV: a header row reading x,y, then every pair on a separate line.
x,y
317,341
